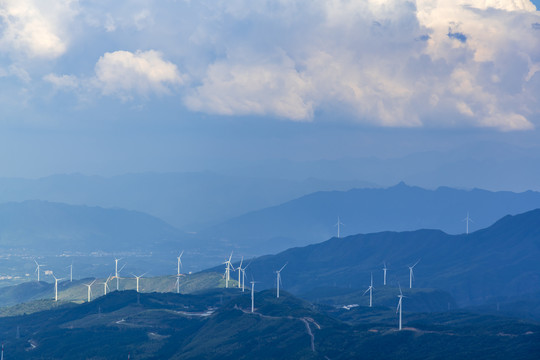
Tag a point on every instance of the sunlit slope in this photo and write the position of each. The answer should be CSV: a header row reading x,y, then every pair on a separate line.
x,y
77,291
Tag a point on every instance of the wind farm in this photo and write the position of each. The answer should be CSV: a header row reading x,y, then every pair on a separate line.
x,y
374,305
246,180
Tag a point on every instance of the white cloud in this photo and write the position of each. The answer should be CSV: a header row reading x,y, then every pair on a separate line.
x,y
123,73
257,88
35,28
389,62
434,63
66,82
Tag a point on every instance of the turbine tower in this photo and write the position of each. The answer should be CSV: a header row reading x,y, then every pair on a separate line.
x,y
253,295
467,220
179,263
370,289
243,269
138,277
384,270
90,289
116,272
400,306
278,279
70,272
178,284
37,268
411,274
106,285
55,287
338,226
228,267
240,273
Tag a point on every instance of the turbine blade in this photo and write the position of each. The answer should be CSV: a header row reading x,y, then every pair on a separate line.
x,y
365,292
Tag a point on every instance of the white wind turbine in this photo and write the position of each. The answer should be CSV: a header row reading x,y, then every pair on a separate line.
x,y
400,306
411,274
37,268
90,289
117,272
228,268
179,263
253,295
278,278
55,286
384,270
370,289
70,272
106,285
138,277
244,275
240,273
338,226
467,220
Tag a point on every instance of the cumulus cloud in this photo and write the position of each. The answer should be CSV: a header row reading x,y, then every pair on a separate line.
x,y
395,63
35,28
253,88
389,62
123,73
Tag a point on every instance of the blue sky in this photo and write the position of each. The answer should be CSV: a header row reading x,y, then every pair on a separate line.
x,y
111,87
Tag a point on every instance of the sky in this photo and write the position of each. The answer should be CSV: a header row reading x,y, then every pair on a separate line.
x,y
101,87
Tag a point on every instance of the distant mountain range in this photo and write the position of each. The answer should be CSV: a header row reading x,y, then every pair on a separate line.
x,y
313,218
186,200
54,228
499,261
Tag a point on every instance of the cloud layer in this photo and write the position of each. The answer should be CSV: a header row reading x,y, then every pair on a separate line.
x,y
437,63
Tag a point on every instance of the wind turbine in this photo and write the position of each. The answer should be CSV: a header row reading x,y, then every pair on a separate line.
x,y
467,219
179,263
240,272
55,287
384,270
370,289
338,224
138,277
116,272
106,285
253,295
400,306
411,274
90,289
228,267
37,268
278,278
244,275
70,272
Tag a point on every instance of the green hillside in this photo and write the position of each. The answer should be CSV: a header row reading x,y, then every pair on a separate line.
x,y
218,324
477,268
